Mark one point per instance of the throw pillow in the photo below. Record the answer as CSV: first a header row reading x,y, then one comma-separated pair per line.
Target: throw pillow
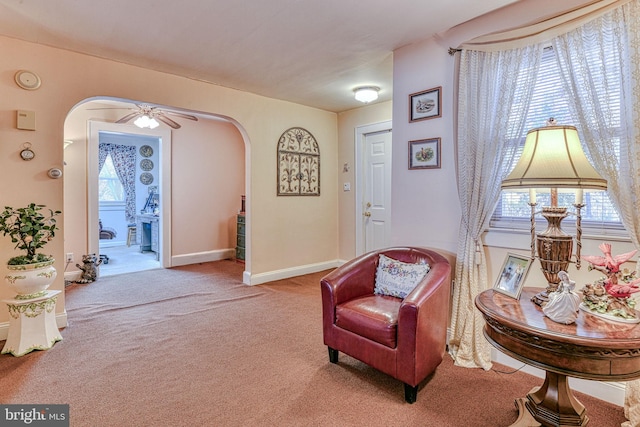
x,y
396,278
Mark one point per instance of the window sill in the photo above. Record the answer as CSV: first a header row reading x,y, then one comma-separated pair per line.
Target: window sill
x,y
112,206
520,239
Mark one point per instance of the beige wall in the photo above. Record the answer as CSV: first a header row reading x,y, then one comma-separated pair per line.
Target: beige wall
x,y
207,186
284,232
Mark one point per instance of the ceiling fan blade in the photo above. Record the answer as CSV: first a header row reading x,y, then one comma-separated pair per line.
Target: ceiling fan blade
x,y
110,108
128,117
182,115
166,120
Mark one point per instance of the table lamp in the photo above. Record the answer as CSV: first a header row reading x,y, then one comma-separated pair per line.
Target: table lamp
x,y
552,157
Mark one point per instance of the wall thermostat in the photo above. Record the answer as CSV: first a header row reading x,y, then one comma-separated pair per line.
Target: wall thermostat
x,y
54,173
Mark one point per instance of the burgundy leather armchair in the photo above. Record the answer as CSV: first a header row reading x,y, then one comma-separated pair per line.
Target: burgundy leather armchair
x,y
404,338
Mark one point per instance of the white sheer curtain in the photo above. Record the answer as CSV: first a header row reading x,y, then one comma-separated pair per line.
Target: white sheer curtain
x,y
600,63
493,89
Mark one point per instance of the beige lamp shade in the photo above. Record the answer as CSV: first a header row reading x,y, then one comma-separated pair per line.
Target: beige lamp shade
x,y
553,157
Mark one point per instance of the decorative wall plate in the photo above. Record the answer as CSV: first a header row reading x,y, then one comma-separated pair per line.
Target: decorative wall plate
x,y
146,151
146,178
146,164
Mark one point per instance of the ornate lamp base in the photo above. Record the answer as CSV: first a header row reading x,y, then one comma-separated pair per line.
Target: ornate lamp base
x,y
554,251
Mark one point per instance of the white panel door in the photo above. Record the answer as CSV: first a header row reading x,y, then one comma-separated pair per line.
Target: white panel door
x,y
377,190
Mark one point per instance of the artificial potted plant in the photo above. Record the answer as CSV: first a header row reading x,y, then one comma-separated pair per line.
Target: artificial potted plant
x,y
32,273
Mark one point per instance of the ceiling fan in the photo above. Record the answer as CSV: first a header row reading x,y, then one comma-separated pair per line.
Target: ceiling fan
x,y
147,116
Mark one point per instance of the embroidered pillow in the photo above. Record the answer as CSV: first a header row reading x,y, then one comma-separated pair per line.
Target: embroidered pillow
x,y
396,278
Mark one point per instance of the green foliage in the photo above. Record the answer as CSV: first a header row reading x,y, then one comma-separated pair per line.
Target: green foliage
x,y
29,229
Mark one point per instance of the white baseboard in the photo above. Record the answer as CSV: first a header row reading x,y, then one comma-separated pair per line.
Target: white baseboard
x,y
72,276
111,243
61,322
612,392
270,276
198,257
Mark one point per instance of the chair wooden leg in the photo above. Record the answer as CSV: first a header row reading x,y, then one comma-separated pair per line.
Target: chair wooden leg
x,y
333,355
410,393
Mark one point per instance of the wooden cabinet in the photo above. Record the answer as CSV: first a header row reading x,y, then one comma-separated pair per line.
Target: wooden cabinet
x,y
240,239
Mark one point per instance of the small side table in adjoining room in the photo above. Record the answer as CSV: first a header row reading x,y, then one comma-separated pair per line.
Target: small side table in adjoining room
x,y
32,324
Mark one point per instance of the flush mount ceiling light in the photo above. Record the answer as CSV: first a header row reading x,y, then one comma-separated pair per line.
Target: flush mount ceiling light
x,y
366,94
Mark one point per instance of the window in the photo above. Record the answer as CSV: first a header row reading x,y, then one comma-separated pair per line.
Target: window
x,y
549,100
109,186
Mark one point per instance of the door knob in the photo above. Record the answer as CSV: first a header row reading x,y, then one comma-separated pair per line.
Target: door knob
x,y
367,214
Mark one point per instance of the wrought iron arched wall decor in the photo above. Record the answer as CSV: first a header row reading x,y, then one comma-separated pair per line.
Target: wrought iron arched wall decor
x,y
298,164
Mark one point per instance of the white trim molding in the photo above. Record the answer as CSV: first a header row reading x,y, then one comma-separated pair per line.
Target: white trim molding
x,y
198,257
270,276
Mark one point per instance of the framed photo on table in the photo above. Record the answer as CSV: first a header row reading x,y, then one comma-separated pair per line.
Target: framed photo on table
x,y
424,154
425,105
512,275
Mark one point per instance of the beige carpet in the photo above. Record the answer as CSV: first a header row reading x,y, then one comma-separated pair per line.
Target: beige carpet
x,y
193,346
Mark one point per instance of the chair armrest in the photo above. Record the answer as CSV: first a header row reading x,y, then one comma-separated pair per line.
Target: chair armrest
x,y
351,280
422,323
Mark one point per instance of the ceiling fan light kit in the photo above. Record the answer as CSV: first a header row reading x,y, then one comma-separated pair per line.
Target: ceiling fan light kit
x,y
150,116
146,122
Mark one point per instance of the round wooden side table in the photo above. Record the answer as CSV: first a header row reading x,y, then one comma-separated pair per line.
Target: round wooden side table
x,y
591,348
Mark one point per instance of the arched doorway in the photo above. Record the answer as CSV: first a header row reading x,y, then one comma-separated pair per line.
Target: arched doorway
x,y
202,173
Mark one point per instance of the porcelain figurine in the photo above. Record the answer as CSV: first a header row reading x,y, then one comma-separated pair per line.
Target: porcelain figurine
x,y
610,297
563,304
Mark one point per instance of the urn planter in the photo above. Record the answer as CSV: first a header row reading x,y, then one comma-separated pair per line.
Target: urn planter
x,y
31,280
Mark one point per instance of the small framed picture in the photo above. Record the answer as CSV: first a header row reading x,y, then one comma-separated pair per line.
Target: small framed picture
x,y
512,275
424,154
425,105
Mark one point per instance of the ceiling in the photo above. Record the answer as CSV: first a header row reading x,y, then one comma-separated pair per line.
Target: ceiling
x,y
308,52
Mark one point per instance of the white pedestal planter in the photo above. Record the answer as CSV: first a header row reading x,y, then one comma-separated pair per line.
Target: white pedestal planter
x,y
32,324
31,280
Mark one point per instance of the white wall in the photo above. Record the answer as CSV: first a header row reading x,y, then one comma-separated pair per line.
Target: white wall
x,y
426,210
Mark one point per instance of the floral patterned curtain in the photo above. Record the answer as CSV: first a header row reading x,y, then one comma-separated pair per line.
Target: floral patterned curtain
x,y
124,162
103,152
